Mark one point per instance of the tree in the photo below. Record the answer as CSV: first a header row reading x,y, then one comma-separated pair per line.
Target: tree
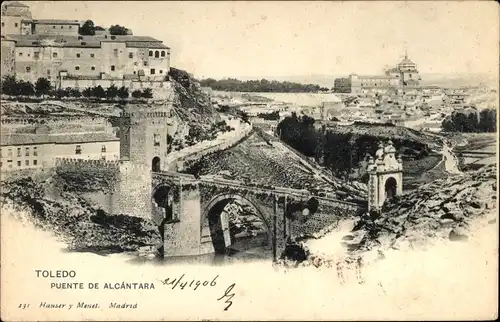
x,y
123,92
98,91
147,93
87,29
118,30
26,88
87,92
74,92
42,86
112,91
137,93
9,85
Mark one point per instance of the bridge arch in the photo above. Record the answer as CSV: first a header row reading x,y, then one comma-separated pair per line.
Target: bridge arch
x,y
217,204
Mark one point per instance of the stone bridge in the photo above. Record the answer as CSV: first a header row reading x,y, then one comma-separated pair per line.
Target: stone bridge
x,y
186,206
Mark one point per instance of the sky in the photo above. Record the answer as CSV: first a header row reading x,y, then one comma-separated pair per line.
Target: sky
x,y
260,39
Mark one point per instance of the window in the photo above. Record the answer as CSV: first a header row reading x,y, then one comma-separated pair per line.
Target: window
x,y
92,68
77,55
103,149
152,71
62,27
78,149
10,153
35,152
161,71
20,54
48,73
35,162
70,27
27,152
29,55
130,55
157,54
16,25
18,152
77,67
112,68
27,162
53,27
135,72
36,55
150,53
162,53
145,63
92,55
3,24
18,163
54,55
115,52
156,139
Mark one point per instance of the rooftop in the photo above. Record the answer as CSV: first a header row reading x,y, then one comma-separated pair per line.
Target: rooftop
x,y
85,41
8,139
55,21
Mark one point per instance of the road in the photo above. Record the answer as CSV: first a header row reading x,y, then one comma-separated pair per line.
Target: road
x,y
450,160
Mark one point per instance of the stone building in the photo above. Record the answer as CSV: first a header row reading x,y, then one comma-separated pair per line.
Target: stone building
x,y
53,49
21,151
402,77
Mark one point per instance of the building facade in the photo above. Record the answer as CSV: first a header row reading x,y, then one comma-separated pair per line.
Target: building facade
x,y
53,49
402,77
40,151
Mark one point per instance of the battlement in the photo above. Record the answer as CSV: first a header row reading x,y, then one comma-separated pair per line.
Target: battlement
x,y
82,163
145,114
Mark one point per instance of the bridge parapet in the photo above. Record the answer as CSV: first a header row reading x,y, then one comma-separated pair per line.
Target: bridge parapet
x,y
280,192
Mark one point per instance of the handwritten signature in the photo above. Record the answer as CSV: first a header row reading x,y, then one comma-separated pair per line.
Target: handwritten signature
x,y
228,296
182,283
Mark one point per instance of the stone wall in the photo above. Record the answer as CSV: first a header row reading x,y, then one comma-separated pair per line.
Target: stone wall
x,y
184,162
132,195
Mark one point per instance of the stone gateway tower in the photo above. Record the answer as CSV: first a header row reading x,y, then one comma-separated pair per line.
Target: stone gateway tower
x,y
143,150
386,176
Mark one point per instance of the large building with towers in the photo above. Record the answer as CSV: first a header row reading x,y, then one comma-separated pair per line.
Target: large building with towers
x,y
55,50
404,76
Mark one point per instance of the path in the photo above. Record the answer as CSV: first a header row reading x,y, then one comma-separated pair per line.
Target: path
x,y
450,160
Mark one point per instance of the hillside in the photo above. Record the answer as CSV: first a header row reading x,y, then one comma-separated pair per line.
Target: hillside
x,y
81,225
261,160
444,208
193,119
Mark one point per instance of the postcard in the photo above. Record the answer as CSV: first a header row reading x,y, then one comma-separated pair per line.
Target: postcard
x,y
249,160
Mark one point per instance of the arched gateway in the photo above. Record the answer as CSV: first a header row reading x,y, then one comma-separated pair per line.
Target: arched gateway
x,y
386,176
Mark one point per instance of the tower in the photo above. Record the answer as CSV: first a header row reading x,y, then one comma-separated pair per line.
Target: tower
x,y
143,135
410,77
385,176
143,151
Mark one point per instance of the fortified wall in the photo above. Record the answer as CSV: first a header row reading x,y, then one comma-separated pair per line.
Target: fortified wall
x,y
117,187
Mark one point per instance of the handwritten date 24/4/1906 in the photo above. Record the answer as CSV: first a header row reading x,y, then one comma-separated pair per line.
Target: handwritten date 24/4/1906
x,y
181,283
